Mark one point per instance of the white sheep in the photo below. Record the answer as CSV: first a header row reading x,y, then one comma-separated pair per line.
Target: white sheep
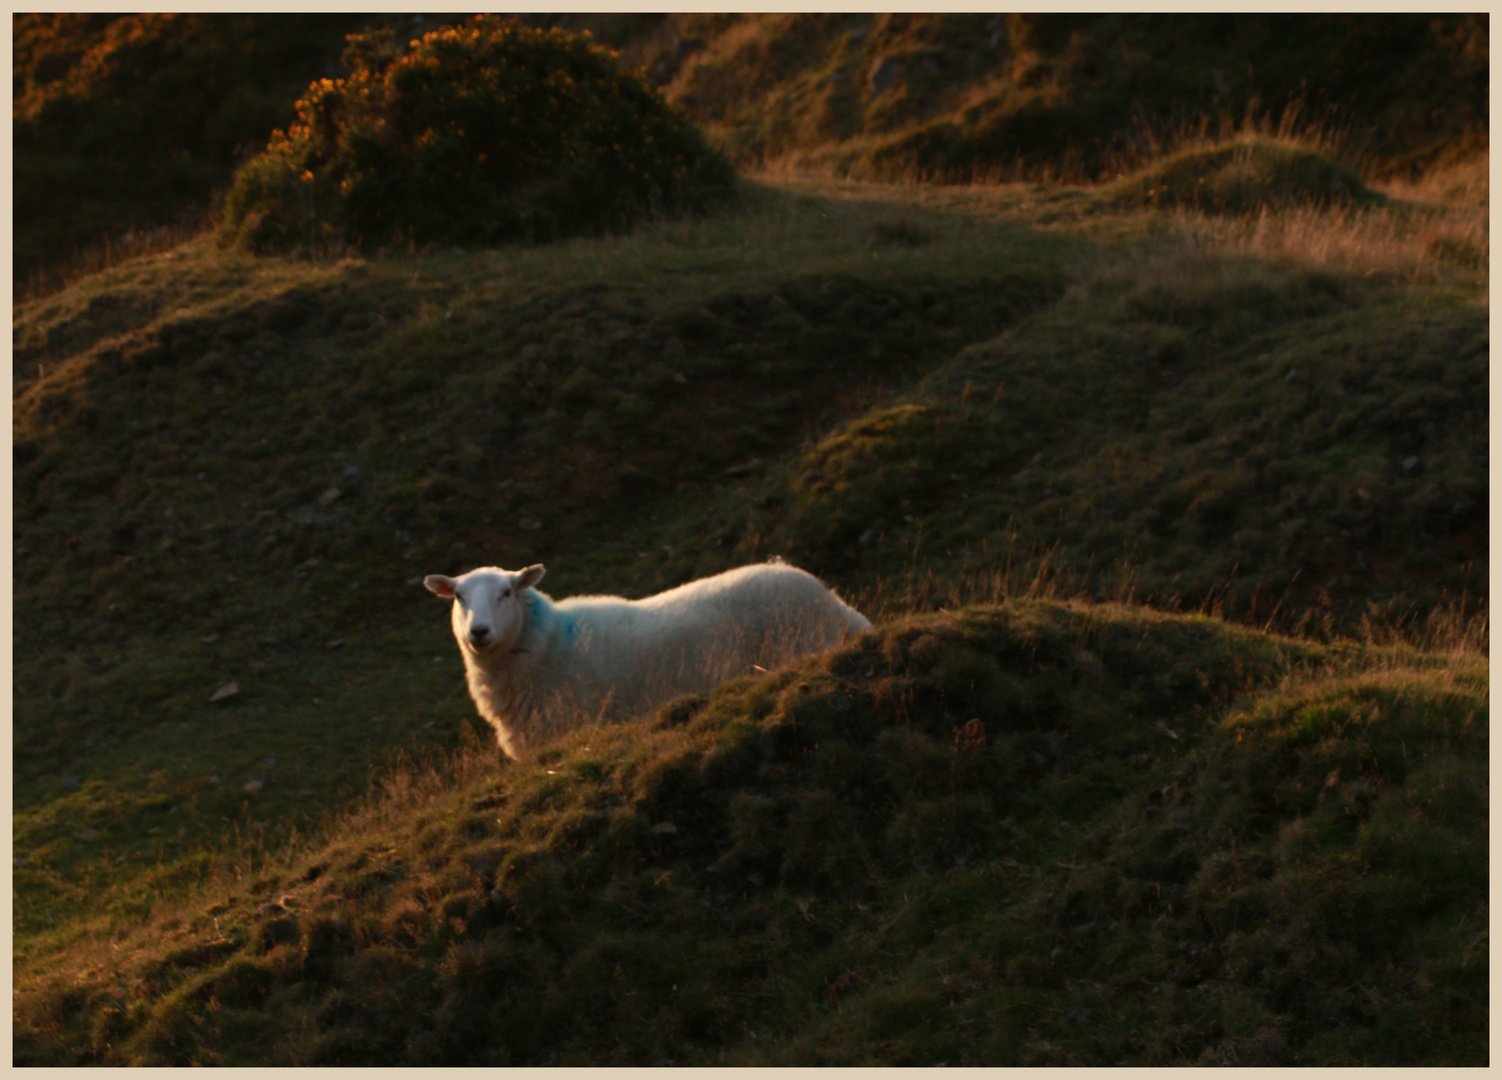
x,y
537,669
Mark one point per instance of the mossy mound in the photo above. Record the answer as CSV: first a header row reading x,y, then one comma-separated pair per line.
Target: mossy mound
x,y
1243,177
480,133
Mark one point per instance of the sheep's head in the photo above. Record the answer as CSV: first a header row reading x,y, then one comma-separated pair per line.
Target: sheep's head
x,y
488,611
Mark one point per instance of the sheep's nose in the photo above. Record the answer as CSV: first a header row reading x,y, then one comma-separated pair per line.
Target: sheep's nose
x,y
478,634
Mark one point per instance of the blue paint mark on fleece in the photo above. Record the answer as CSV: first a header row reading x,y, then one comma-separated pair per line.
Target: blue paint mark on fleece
x,y
539,613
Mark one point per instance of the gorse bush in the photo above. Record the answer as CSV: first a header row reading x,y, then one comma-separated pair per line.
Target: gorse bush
x,y
479,133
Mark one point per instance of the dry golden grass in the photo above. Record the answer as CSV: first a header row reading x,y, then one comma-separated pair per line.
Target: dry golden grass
x,y
1465,183
1403,243
1433,229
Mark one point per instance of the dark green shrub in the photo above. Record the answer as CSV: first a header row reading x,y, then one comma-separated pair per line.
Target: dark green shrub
x,y
478,133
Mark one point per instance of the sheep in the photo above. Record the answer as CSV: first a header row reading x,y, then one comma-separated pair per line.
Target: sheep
x,y
537,669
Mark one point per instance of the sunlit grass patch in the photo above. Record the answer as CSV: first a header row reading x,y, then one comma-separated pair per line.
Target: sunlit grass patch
x,y
1413,243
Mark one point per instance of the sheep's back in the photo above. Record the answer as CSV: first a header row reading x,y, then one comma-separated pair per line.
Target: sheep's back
x,y
761,614
690,638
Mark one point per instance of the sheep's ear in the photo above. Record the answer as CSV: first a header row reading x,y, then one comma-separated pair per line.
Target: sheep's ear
x,y
443,586
530,576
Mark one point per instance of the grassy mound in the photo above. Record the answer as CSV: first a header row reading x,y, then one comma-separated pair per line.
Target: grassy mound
x,y
1034,834
1216,433
475,134
1244,177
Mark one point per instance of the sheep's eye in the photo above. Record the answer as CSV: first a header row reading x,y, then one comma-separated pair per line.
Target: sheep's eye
x,y
505,594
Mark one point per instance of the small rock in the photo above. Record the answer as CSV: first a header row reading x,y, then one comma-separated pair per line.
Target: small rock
x,y
209,639
679,377
329,496
1292,374
743,468
866,537
664,827
71,783
1409,463
859,34
253,786
338,641
228,690
352,470
86,834
529,524
270,762
215,779
429,725
885,73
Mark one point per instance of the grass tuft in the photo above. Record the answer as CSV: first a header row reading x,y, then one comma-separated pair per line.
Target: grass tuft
x,y
1244,176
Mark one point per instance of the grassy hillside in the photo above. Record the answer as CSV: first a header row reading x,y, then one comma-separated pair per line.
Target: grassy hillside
x,y
126,126
1075,94
1170,841
1023,822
